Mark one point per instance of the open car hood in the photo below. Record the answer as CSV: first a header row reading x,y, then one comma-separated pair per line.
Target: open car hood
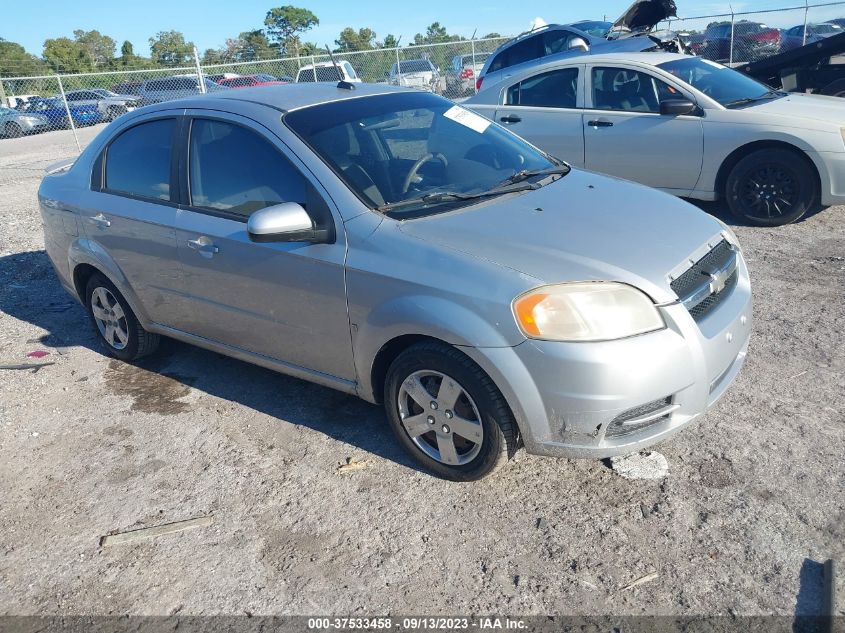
x,y
645,15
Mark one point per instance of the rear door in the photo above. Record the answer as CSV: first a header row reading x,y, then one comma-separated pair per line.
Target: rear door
x,y
286,301
131,214
626,136
546,110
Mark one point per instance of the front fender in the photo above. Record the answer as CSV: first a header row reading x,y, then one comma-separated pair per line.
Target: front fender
x,y
84,251
422,315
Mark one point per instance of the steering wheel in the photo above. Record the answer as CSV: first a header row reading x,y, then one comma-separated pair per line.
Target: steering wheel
x,y
422,161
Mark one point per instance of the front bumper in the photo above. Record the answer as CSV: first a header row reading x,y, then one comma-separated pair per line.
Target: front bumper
x,y
568,398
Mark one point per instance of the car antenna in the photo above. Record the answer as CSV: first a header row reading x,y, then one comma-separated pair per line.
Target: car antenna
x,y
345,85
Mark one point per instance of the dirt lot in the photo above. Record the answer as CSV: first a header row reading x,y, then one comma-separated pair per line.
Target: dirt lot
x,y
752,505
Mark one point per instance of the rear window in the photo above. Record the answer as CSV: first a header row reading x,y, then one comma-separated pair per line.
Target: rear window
x,y
138,161
415,66
324,73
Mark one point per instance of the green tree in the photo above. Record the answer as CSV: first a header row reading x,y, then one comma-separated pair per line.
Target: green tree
x,y
99,48
16,62
352,40
212,56
286,24
310,48
491,36
435,33
253,45
390,41
169,48
127,51
66,55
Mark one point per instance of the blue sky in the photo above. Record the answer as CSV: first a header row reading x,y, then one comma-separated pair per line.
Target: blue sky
x,y
208,24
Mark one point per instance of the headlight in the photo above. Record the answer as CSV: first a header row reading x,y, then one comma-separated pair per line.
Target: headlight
x,y
586,311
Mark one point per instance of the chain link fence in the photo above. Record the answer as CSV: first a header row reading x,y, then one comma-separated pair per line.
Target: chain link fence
x,y
32,105
66,104
742,37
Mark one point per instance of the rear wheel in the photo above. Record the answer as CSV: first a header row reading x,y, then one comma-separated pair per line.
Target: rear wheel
x,y
771,187
447,413
116,325
13,130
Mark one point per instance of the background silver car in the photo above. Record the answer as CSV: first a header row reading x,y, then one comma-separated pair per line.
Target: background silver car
x,y
111,105
14,123
393,245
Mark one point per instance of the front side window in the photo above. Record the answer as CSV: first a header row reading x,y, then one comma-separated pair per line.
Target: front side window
x,y
555,89
415,154
235,170
629,90
138,160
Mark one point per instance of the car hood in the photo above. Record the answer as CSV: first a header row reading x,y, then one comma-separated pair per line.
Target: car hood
x,y
805,106
646,14
582,227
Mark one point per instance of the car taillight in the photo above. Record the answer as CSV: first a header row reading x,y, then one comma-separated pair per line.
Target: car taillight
x,y
766,36
467,73
478,83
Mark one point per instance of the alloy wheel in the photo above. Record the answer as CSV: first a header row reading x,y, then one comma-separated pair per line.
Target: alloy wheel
x,y
110,318
769,191
440,417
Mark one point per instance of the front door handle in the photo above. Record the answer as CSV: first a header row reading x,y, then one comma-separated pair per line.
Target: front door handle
x,y
511,118
204,247
100,221
600,123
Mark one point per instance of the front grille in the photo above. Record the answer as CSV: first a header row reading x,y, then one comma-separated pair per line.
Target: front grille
x,y
709,281
618,428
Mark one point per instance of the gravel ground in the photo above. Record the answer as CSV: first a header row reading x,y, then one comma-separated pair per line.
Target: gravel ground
x,y
752,505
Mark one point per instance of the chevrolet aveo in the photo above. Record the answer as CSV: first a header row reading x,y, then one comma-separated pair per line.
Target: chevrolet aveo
x,y
390,244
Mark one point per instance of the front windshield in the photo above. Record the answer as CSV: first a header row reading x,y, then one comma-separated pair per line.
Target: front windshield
x,y
393,150
721,84
41,105
105,93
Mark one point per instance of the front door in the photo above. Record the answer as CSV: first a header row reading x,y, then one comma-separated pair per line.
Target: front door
x,y
626,136
286,301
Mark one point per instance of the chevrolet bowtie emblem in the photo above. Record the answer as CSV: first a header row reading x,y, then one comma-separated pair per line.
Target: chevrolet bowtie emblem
x,y
718,281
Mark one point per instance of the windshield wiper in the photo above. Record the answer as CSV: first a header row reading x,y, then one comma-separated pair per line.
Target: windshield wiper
x,y
452,196
771,94
525,174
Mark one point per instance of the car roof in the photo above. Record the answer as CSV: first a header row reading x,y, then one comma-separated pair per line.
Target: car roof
x,y
286,97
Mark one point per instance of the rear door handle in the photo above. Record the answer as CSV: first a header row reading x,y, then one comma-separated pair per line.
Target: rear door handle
x,y
100,221
511,118
600,123
204,247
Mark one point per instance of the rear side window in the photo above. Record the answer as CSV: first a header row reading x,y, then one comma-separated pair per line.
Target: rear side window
x,y
523,51
235,170
555,89
138,161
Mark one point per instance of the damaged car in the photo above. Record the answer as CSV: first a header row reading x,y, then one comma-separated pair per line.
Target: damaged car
x,y
632,32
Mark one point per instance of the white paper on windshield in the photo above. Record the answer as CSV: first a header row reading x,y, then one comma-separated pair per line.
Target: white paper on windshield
x,y
468,119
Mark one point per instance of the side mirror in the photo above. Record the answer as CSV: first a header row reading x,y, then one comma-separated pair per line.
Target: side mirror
x,y
285,222
677,107
579,43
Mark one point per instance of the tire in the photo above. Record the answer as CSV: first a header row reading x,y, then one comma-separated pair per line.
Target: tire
x,y
127,340
481,429
771,187
13,130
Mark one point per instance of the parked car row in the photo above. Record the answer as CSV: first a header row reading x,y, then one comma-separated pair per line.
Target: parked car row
x,y
748,41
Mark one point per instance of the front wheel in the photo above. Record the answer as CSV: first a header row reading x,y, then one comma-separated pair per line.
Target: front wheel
x,y
771,187
447,413
13,130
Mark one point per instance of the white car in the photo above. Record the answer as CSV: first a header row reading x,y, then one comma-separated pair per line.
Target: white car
x,y
420,74
328,71
682,124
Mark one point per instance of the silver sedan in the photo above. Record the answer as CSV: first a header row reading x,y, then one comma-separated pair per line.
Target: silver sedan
x,y
389,244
